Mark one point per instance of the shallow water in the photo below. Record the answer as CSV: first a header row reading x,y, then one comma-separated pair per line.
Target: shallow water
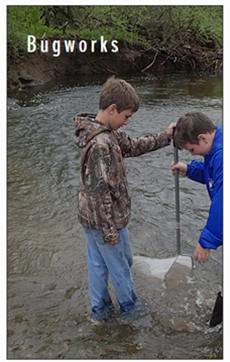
x,y
48,304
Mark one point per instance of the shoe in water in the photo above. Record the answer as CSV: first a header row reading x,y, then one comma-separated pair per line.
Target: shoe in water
x,y
136,312
101,317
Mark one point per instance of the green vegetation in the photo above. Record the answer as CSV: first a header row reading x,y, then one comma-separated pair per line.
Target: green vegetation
x,y
149,26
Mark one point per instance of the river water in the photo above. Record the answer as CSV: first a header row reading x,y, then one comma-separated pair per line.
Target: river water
x,y
48,303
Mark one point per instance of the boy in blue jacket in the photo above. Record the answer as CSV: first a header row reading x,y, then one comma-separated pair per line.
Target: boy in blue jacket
x,y
196,133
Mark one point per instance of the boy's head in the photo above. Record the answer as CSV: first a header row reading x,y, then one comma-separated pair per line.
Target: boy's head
x,y
118,92
118,102
195,132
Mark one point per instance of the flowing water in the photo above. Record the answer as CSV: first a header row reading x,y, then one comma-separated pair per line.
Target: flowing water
x,y
48,303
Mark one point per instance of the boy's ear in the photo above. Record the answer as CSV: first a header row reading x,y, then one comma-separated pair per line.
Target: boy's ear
x,y
203,137
112,108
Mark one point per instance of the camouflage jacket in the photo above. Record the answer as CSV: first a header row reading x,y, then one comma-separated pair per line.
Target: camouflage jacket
x,y
104,201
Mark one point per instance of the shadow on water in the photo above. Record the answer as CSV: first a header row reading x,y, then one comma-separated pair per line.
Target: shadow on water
x,y
48,300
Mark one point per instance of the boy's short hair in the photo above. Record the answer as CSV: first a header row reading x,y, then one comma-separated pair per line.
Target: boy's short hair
x,y
189,126
119,92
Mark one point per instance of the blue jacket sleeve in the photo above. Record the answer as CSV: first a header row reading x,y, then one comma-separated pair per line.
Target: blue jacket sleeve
x,y
195,171
212,234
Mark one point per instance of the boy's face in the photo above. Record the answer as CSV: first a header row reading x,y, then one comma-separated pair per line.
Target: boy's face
x,y
201,149
118,120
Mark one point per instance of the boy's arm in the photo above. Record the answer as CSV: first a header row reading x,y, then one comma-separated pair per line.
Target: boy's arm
x,y
99,196
137,146
212,235
195,171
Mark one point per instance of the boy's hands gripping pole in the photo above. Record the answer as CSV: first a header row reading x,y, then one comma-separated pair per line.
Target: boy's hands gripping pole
x,y
179,167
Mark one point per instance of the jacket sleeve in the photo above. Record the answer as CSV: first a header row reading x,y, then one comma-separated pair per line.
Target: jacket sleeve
x,y
195,171
131,147
99,196
212,234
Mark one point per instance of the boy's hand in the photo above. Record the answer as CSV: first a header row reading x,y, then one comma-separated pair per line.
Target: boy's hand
x,y
170,130
201,254
179,166
114,242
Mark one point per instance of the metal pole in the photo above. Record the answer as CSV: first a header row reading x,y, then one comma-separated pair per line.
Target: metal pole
x,y
177,198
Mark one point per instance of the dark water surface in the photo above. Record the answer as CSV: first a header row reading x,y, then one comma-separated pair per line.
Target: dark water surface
x,y
48,304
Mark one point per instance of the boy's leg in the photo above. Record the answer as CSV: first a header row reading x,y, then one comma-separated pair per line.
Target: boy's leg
x,y
118,259
98,276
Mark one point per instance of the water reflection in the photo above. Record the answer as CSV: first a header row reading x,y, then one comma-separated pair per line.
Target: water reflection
x,y
48,298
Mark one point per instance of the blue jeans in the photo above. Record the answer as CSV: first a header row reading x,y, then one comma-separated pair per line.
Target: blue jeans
x,y
114,260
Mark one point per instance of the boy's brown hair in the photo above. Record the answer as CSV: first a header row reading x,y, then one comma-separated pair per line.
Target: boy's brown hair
x,y
189,126
119,92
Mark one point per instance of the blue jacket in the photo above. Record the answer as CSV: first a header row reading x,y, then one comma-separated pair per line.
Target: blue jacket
x,y
210,172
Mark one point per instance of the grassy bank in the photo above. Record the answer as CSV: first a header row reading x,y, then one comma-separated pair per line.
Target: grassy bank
x,y
146,26
144,38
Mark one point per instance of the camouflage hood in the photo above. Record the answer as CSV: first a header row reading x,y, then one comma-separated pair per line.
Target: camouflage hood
x,y
87,127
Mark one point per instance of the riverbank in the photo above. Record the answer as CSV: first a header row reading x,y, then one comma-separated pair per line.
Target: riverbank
x,y
182,53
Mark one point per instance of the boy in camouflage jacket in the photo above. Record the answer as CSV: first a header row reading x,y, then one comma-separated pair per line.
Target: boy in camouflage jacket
x,y
104,201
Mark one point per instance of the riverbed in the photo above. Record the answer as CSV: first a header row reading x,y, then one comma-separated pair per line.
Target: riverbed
x,y
48,301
